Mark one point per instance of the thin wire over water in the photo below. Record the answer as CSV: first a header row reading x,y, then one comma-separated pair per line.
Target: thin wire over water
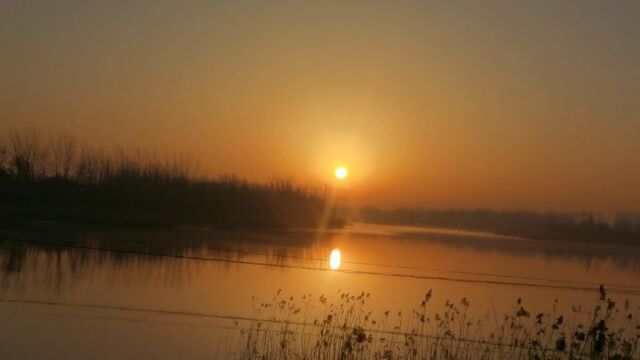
x,y
345,271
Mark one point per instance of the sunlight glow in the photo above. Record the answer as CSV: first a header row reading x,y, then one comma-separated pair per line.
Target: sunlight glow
x,y
341,173
334,259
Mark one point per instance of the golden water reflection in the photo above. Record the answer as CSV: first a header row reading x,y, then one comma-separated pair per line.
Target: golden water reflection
x,y
334,259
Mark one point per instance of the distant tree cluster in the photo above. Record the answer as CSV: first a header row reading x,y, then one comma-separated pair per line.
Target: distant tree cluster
x,y
26,155
54,178
624,230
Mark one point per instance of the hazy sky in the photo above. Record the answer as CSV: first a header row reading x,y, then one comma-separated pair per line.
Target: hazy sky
x,y
507,104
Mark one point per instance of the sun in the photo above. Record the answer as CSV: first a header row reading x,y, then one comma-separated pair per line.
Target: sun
x,y
341,173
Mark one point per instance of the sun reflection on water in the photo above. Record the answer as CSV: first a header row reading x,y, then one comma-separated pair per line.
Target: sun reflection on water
x,y
334,259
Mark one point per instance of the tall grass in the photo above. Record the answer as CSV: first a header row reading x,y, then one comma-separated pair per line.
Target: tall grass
x,y
314,328
56,179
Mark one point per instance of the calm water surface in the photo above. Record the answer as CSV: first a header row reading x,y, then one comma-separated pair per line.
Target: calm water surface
x,y
178,293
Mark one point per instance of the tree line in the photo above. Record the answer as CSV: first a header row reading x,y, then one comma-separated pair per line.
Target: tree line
x,y
55,178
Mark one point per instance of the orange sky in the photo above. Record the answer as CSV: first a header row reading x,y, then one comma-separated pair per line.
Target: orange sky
x,y
437,104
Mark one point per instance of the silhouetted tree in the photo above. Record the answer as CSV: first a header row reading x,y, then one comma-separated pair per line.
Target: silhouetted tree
x,y
4,161
63,153
26,154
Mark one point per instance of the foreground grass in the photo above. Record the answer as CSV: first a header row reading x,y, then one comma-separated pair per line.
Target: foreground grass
x,y
314,328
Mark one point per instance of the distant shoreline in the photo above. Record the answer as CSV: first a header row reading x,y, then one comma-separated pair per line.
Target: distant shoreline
x,y
553,227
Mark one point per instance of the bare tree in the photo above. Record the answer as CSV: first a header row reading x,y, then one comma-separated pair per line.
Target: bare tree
x,y
88,168
182,167
4,160
26,154
63,155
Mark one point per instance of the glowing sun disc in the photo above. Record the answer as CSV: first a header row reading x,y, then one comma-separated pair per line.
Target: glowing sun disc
x,y
341,173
